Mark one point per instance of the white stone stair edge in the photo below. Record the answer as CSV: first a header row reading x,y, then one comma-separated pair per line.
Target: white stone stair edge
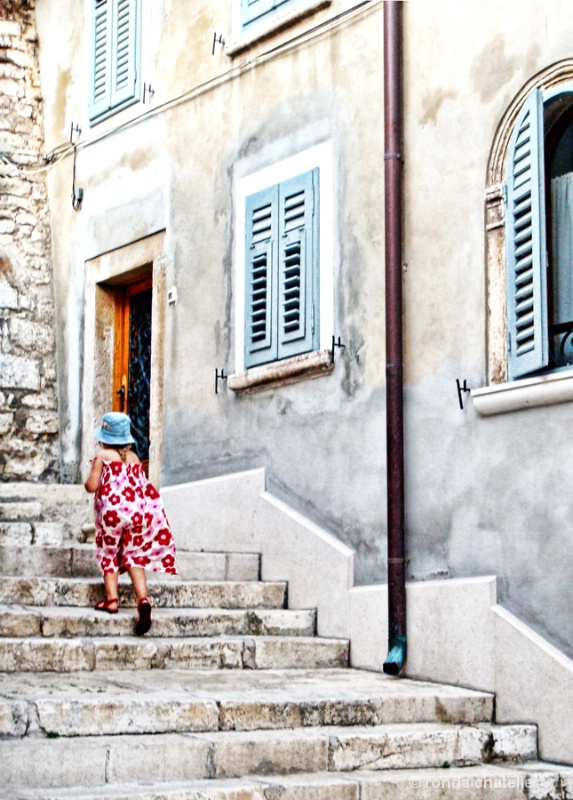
x,y
457,633
540,781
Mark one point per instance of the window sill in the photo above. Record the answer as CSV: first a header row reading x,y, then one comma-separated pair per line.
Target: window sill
x,y
281,373
275,24
544,390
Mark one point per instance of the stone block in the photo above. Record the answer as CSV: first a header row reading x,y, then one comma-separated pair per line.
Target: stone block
x,y
17,186
20,510
319,786
42,422
53,762
6,421
14,718
17,372
158,758
8,295
203,654
47,655
7,226
242,566
9,29
11,71
99,716
18,57
15,622
49,534
268,752
393,747
15,533
300,653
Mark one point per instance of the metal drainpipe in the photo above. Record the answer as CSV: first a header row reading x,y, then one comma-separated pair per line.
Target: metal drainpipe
x,y
393,166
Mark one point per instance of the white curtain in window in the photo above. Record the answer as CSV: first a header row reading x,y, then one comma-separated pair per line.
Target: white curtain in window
x,y
562,233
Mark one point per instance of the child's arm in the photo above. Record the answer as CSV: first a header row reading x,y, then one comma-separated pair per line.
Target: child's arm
x,y
92,481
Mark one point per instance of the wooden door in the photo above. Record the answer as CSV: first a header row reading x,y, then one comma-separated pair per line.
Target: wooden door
x,y
132,360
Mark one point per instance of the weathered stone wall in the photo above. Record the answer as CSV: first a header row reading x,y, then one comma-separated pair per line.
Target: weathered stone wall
x,y
29,442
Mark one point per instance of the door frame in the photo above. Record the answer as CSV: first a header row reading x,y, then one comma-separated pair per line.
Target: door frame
x,y
139,260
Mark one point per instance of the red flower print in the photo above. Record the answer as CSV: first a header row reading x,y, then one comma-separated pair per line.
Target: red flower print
x,y
115,467
151,492
139,492
105,562
171,571
129,494
137,518
148,519
141,561
147,547
168,561
126,538
104,489
99,540
109,540
115,499
111,519
163,537
137,528
137,541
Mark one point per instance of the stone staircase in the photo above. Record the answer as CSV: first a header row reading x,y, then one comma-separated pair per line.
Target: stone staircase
x,y
231,696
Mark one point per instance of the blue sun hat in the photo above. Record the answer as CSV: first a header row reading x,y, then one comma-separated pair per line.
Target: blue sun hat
x,y
115,429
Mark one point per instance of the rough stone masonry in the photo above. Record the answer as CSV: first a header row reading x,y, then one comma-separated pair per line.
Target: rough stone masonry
x,y
29,442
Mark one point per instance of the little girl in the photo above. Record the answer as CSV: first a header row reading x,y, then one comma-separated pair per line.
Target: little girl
x,y
132,531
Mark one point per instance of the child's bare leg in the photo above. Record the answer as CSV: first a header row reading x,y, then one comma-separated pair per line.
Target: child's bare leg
x,y
110,581
137,575
109,604
143,607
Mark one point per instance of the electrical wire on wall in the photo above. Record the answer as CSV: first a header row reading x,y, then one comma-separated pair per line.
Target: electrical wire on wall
x,y
62,151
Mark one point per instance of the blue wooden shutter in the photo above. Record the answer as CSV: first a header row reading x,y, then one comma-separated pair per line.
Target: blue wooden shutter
x,y
528,345
124,52
260,274
100,91
253,9
297,264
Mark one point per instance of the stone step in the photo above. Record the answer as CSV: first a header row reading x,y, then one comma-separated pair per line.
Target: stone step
x,y
50,621
85,592
80,561
91,704
482,782
95,761
105,653
19,509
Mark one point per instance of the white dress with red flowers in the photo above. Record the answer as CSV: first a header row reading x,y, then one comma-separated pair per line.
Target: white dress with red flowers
x,y
131,525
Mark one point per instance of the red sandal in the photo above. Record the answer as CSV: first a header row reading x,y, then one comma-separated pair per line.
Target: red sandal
x,y
144,621
104,605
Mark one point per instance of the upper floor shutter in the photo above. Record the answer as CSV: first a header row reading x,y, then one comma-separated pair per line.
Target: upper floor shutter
x,y
297,267
253,9
124,59
260,276
528,346
100,92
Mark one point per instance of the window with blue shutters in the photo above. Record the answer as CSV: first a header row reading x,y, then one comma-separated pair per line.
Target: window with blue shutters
x,y
115,53
539,236
281,292
253,10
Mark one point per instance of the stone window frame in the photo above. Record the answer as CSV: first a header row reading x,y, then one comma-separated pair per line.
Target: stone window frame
x,y
500,395
270,24
317,362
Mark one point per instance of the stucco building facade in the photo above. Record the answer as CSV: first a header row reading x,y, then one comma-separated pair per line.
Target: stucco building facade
x,y
178,186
